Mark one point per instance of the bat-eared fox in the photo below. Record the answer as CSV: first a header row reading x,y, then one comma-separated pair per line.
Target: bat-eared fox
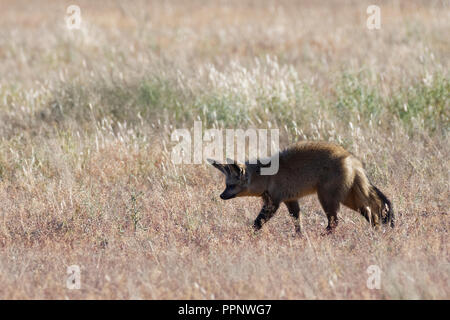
x,y
306,168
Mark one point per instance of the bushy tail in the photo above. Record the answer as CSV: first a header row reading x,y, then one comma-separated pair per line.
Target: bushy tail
x,y
366,195
387,207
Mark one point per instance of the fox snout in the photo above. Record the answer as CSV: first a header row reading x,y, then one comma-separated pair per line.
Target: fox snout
x,y
227,195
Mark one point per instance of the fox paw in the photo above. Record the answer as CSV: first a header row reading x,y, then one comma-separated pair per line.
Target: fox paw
x,y
297,235
329,230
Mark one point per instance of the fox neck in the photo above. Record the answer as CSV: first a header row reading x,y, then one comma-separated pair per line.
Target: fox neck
x,y
256,184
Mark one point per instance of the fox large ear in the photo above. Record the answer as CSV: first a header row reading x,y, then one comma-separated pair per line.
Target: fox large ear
x,y
261,165
219,166
235,167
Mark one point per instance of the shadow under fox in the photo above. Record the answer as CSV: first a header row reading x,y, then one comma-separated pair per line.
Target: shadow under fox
x,y
306,168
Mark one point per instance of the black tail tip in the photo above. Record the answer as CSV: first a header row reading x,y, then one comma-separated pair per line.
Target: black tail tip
x,y
389,219
389,216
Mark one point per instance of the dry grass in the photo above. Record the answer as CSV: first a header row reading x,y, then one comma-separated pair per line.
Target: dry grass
x,y
85,170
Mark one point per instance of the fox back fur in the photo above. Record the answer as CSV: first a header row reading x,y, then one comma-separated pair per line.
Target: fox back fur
x,y
307,168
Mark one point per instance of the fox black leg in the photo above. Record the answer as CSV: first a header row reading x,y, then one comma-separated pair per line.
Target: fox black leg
x,y
268,210
294,211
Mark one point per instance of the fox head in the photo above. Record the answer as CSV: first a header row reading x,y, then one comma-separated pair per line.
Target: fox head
x,y
236,179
